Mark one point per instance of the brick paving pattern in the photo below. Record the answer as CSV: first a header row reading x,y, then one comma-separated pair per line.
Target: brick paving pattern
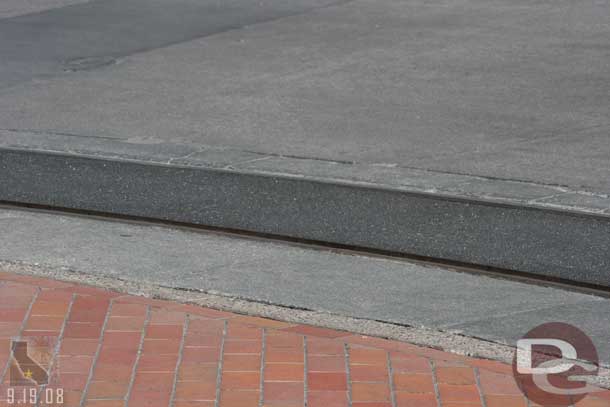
x,y
107,349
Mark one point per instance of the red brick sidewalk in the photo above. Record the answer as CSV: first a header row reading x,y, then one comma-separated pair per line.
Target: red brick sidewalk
x,y
106,349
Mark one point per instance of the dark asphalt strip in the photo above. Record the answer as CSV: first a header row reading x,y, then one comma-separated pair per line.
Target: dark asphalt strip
x,y
93,35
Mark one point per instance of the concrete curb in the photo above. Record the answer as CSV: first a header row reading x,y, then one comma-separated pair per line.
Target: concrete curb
x,y
389,176
545,242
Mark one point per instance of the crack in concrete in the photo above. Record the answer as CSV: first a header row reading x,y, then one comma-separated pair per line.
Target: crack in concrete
x,y
463,323
57,133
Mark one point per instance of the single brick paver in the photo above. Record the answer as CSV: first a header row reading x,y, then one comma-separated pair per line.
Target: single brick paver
x,y
105,349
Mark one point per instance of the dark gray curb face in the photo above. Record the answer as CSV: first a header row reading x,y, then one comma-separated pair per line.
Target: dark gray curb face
x,y
544,242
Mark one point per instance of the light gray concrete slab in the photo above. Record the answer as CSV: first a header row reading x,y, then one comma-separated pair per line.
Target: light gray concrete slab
x,y
507,328
351,285
515,90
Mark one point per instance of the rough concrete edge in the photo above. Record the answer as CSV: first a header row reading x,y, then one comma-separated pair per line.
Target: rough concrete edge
x,y
382,175
421,336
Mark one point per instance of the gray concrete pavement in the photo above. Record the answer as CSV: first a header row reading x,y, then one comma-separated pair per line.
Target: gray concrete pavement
x,y
351,285
504,89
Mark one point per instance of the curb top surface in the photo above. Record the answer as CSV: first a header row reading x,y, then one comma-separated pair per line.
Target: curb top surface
x,y
390,177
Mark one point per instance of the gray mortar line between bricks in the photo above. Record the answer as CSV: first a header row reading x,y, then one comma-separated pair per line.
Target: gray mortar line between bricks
x,y
98,351
305,367
437,392
172,397
138,356
477,380
348,374
220,364
55,355
391,379
261,396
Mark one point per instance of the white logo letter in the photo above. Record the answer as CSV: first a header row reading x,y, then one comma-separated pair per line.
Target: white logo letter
x,y
524,356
